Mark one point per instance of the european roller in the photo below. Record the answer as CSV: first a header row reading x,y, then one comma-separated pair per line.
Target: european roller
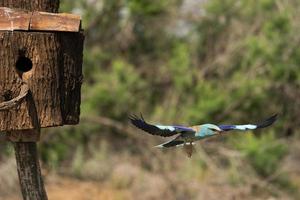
x,y
188,135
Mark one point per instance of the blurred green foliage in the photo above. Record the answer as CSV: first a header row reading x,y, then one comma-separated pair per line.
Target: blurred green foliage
x,y
219,61
264,153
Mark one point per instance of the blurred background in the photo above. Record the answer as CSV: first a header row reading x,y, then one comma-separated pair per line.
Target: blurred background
x,y
178,62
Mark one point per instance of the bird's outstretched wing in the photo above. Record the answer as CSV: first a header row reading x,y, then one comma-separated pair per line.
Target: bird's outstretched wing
x,y
161,130
244,127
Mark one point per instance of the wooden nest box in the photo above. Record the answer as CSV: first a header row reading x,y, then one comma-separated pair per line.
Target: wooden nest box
x,y
40,70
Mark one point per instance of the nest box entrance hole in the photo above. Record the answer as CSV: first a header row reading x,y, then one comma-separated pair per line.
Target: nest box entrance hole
x,y
23,64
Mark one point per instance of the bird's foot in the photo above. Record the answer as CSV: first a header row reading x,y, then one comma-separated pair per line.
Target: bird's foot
x,y
189,149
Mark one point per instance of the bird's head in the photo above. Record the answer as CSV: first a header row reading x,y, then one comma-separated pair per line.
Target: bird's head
x,y
211,129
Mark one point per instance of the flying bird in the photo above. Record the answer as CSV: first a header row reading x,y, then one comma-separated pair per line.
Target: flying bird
x,y
188,135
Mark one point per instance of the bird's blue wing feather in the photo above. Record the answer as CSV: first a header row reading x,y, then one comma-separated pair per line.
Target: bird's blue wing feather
x,y
238,127
160,130
183,128
244,127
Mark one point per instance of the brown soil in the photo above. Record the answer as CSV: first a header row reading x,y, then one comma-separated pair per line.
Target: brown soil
x,y
73,189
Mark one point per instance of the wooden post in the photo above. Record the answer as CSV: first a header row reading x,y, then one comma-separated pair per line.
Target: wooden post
x,y
31,182
29,172
40,80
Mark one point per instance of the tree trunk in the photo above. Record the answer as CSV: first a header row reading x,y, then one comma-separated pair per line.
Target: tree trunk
x,y
29,171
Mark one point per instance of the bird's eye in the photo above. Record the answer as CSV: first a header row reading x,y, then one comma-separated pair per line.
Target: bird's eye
x,y
213,129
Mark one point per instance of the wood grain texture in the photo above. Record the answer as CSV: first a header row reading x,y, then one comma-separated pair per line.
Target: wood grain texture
x,y
29,171
15,19
43,79
54,22
54,80
32,5
72,77
7,105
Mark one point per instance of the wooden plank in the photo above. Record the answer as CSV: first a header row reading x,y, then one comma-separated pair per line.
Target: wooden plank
x,y
43,49
54,79
11,19
15,19
42,21
71,76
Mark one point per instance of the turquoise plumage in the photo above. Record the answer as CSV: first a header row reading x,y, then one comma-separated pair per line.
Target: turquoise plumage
x,y
187,136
